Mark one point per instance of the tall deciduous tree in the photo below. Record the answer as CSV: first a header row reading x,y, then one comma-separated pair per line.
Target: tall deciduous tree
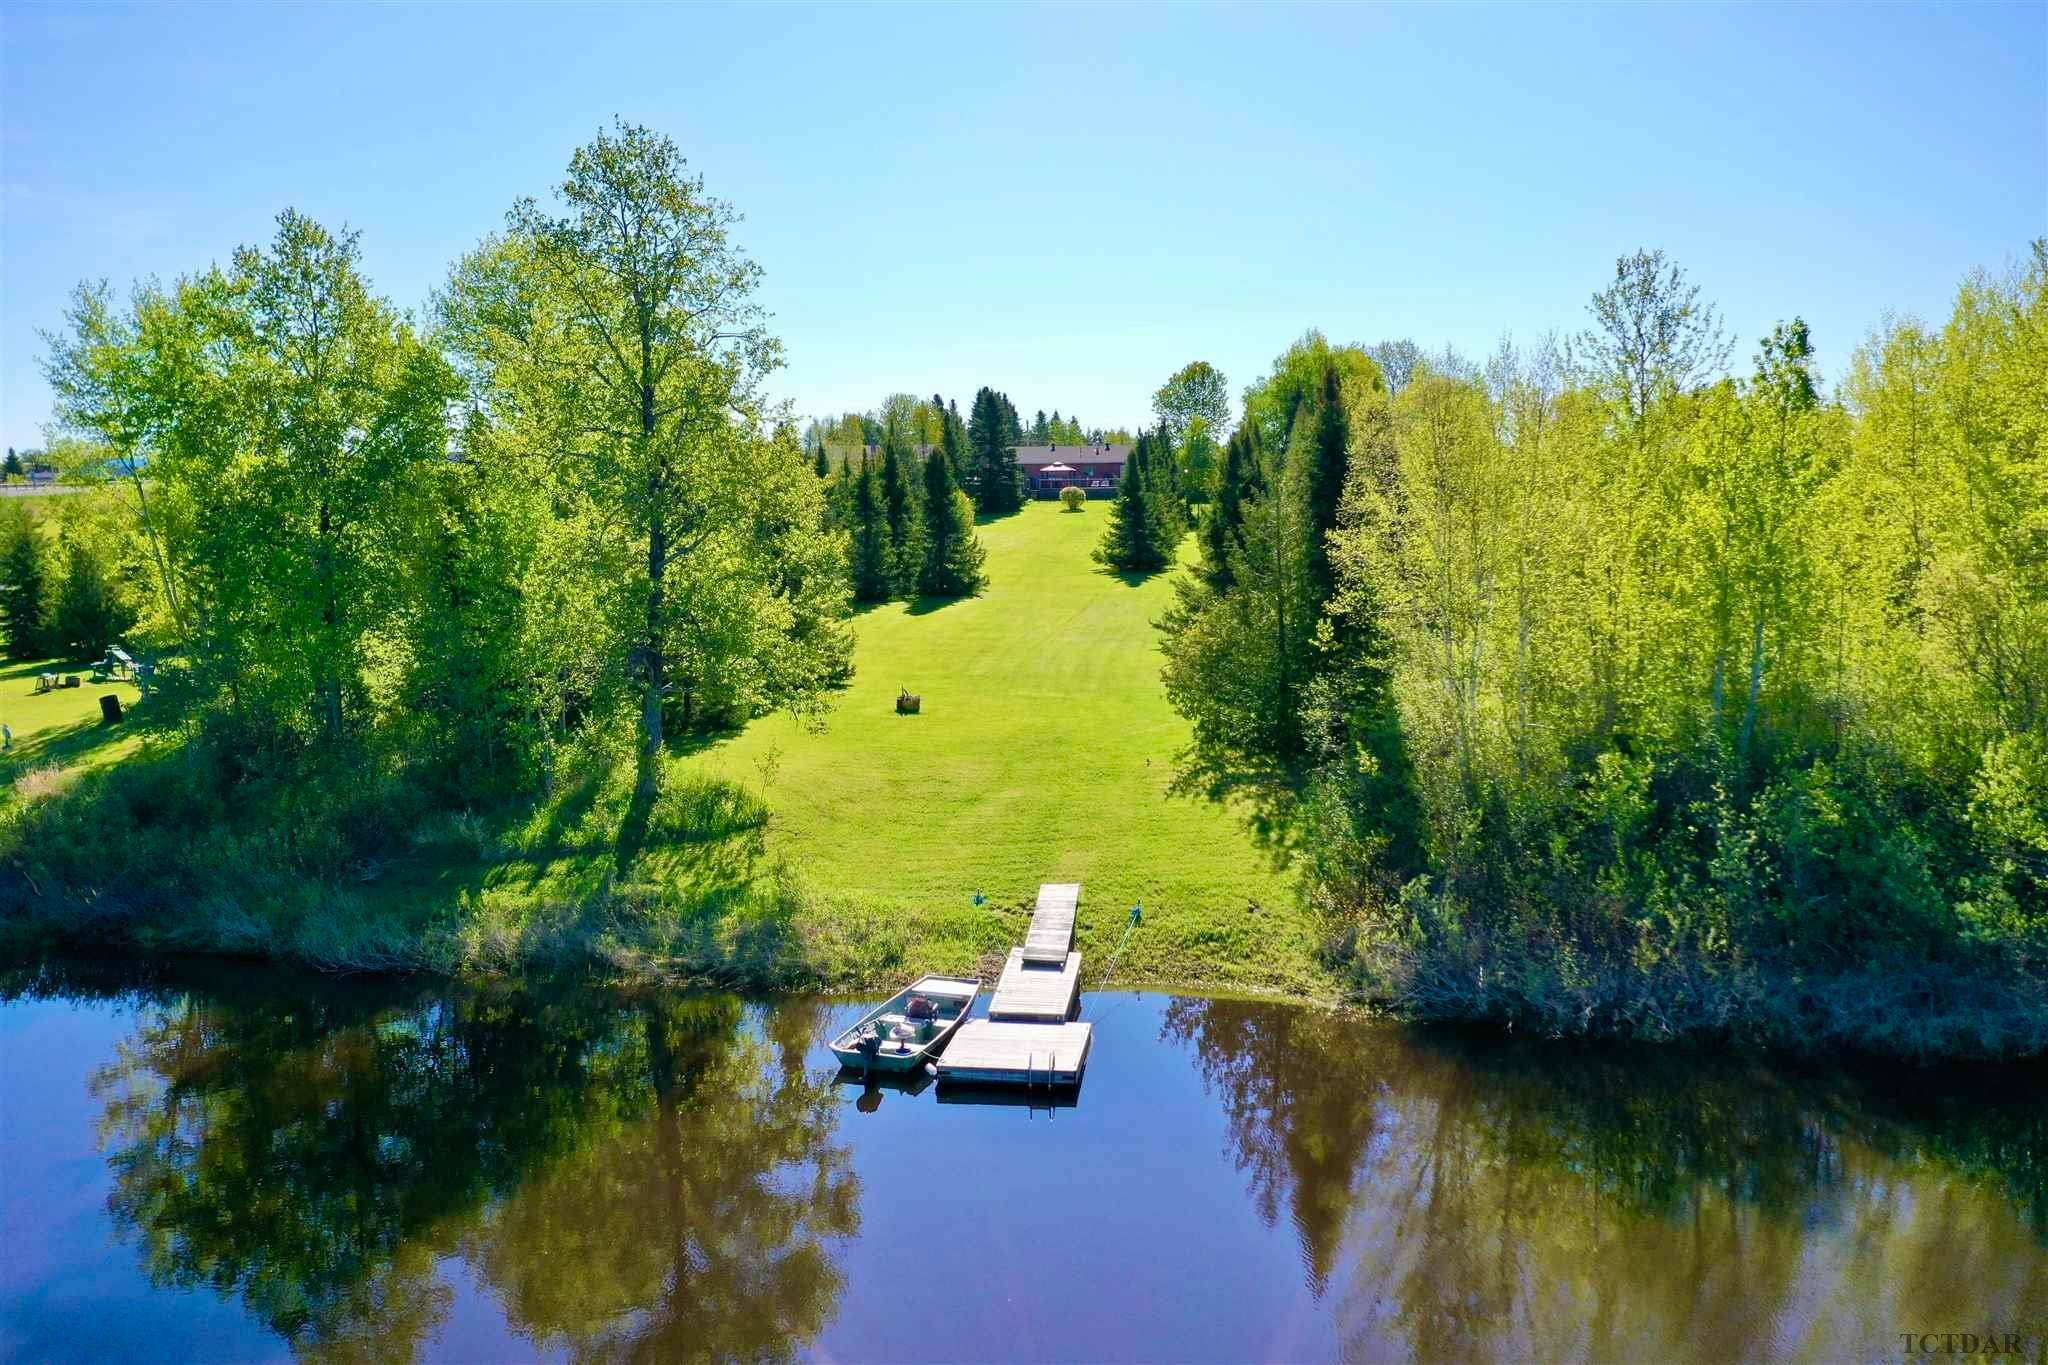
x,y
1194,408
623,318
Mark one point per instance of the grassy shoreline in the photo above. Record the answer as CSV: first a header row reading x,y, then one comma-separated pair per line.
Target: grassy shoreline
x,y
850,859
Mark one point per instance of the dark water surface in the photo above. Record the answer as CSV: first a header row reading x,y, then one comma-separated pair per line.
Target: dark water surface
x,y
243,1165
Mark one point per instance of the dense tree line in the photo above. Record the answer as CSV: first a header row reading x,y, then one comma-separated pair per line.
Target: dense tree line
x,y
910,525
564,503
69,578
1589,680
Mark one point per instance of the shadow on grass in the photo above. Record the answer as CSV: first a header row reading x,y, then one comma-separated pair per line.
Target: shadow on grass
x,y
30,668
65,745
925,606
1132,578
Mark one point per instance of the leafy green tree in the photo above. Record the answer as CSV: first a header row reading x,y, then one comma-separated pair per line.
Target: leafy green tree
x,y
505,639
1398,361
901,417
289,415
1653,343
619,330
1297,373
1193,407
271,424
953,555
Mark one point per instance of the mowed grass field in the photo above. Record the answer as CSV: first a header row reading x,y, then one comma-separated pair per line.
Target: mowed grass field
x,y
1043,753
786,857
61,727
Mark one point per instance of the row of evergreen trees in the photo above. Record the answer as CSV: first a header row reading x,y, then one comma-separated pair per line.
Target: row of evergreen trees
x,y
910,526
60,595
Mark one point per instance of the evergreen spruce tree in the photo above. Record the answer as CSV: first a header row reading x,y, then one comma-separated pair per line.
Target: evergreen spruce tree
x,y
1130,541
1169,504
953,556
870,538
839,499
822,464
903,515
997,489
953,444
1321,466
1223,528
24,592
89,616
12,468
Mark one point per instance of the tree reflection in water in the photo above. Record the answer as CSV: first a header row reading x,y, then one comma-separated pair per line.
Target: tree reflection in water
x,y
1476,1198
645,1178
663,1176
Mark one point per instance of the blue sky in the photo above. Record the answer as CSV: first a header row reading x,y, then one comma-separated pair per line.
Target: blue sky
x,y
1066,202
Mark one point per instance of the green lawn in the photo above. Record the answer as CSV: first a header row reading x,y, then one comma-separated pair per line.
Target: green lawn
x,y
786,858
63,726
1043,753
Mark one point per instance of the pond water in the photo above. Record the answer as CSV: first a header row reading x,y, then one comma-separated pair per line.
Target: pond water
x,y
239,1165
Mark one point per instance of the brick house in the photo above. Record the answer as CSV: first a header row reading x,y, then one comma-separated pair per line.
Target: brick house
x,y
1097,467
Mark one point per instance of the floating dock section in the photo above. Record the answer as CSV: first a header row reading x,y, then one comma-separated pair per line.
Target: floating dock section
x,y
985,1052
1038,995
1027,1038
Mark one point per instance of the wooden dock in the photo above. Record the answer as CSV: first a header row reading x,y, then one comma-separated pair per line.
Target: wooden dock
x,y
1051,936
986,1052
1033,994
1027,1038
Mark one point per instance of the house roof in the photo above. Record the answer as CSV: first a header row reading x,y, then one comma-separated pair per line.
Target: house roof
x,y
1038,457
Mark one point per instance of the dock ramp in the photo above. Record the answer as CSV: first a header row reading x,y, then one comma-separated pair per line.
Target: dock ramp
x,y
1051,936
